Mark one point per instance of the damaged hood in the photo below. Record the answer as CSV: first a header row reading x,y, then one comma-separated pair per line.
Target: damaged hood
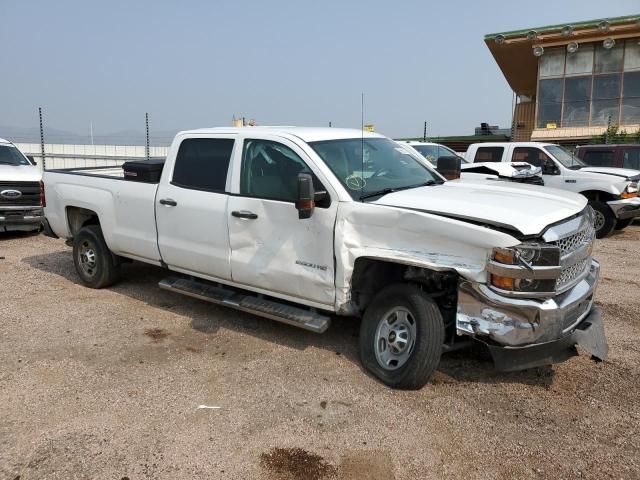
x,y
525,208
503,169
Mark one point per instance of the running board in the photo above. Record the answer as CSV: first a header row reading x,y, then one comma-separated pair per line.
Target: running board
x,y
298,317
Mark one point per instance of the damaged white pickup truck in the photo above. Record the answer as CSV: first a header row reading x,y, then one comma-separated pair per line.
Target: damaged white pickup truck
x,y
299,224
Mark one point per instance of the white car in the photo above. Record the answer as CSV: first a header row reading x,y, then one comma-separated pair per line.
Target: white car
x,y
20,204
612,192
299,224
510,171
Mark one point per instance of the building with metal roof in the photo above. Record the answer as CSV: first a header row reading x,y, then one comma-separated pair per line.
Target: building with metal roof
x,y
572,80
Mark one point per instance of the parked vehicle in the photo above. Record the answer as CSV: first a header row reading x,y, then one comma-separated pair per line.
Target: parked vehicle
x,y
612,192
619,156
299,224
20,204
510,171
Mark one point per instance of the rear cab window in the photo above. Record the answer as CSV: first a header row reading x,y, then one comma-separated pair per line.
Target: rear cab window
x,y
631,158
203,164
598,158
488,154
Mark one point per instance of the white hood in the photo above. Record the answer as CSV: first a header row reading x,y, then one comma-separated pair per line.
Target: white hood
x,y
20,173
618,172
529,209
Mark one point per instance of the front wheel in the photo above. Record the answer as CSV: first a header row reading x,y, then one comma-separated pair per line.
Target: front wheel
x,y
603,219
401,337
94,262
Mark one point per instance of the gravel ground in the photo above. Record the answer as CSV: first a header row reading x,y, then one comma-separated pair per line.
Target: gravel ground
x,y
107,384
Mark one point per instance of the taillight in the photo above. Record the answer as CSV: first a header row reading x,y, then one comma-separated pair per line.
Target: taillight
x,y
43,199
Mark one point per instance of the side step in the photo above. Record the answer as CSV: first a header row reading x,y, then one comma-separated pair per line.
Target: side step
x,y
298,317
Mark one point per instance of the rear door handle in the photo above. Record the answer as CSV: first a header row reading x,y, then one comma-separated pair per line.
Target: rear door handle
x,y
244,214
168,202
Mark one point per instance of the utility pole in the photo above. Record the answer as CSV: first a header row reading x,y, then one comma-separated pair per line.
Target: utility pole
x,y
424,134
91,131
329,124
41,139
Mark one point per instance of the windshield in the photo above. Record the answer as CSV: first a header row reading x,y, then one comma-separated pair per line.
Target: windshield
x,y
10,155
565,157
433,152
366,166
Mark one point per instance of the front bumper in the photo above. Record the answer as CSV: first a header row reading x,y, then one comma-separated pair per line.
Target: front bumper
x,y
626,208
589,335
522,333
23,219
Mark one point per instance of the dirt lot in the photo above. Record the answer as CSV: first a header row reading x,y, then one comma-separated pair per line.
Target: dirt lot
x,y
107,384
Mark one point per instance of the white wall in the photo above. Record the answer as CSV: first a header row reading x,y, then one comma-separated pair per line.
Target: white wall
x,y
71,156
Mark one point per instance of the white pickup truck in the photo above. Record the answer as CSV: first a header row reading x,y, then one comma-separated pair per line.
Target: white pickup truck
x,y
612,192
20,206
299,224
505,171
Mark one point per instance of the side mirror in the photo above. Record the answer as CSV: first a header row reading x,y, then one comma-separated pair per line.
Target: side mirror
x,y
549,168
449,167
32,160
305,203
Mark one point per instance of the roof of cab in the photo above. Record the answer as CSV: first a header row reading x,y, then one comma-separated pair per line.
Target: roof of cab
x,y
2,140
308,134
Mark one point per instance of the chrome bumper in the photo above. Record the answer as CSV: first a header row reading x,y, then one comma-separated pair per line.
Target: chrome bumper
x,y
20,219
627,208
518,322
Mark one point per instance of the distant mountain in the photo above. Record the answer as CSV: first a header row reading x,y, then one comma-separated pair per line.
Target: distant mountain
x,y
52,135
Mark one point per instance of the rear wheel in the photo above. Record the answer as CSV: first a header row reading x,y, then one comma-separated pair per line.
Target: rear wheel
x,y
401,337
603,219
623,223
96,265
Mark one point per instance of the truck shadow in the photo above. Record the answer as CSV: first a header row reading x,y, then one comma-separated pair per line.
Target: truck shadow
x,y
140,282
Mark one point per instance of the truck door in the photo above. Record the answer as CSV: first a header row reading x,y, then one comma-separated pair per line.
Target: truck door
x,y
551,173
191,208
271,248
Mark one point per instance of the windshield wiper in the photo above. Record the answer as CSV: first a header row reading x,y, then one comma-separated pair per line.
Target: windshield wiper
x,y
387,190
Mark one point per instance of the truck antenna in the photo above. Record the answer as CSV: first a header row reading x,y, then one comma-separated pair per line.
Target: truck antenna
x,y
361,144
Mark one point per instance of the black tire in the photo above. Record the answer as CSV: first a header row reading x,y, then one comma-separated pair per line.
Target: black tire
x,y
97,267
607,221
623,223
425,355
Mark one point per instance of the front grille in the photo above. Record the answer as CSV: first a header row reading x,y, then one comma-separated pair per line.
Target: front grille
x,y
30,194
572,272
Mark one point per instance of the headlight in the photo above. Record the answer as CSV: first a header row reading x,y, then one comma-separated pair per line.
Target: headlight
x,y
525,268
630,191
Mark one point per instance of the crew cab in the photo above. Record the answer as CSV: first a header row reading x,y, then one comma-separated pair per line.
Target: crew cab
x,y
302,224
521,172
20,204
619,156
612,192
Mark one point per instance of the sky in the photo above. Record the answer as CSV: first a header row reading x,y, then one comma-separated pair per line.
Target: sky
x,y
195,63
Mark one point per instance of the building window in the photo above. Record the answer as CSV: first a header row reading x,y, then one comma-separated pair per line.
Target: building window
x,y
590,87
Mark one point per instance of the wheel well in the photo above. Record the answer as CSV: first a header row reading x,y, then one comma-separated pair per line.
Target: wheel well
x,y
79,217
372,275
597,195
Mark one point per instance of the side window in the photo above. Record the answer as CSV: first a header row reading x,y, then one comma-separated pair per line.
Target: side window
x,y
598,158
202,164
270,170
532,155
489,154
631,158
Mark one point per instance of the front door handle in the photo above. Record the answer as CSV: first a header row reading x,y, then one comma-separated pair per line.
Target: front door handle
x,y
244,214
169,202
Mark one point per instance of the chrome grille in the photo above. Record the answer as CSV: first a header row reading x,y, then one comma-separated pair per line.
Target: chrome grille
x,y
573,271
